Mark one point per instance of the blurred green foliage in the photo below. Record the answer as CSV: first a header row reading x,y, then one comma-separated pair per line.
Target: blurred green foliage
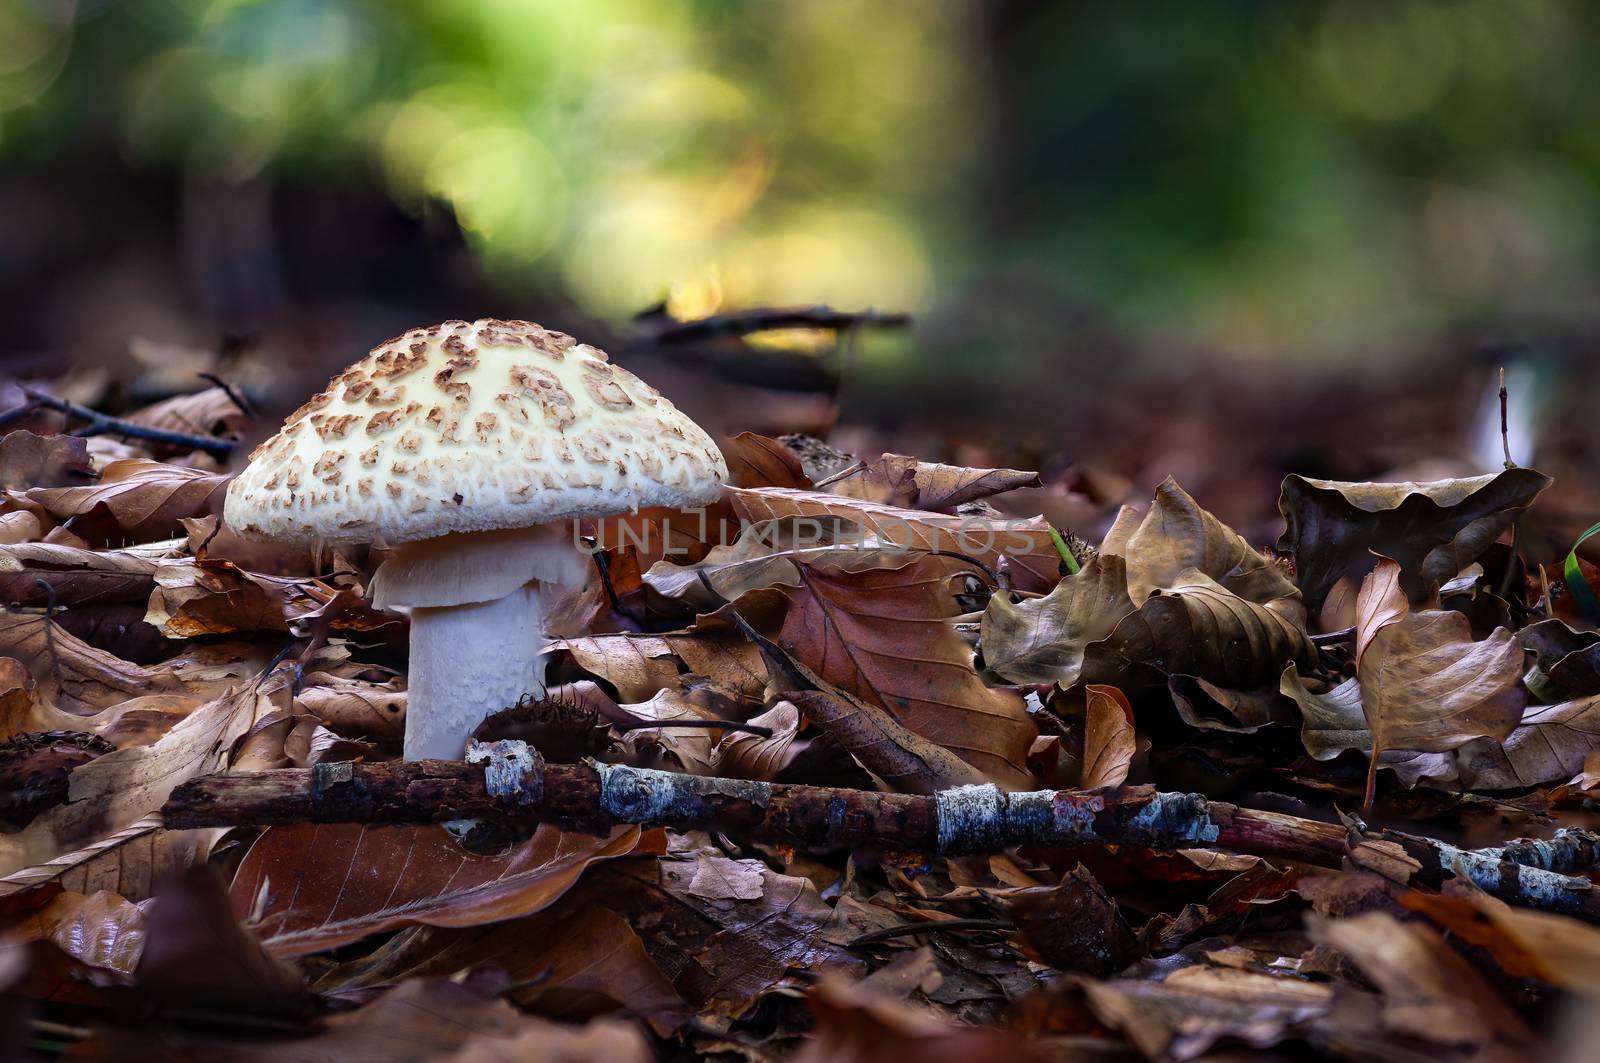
x,y
1254,174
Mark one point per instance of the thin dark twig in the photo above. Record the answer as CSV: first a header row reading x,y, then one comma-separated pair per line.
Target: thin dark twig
x,y
994,577
18,413
246,407
603,564
761,320
102,424
843,474
936,926
1329,638
1505,432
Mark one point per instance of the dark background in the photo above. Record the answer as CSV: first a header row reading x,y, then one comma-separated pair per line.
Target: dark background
x,y
1221,241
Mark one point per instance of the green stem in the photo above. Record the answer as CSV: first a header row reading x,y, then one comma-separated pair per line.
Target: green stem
x,y
1061,548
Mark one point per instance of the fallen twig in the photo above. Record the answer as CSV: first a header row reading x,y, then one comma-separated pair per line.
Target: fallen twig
x,y
761,320
593,798
104,424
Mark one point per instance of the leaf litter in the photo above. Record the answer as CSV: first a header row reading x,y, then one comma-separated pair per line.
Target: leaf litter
x,y
1391,668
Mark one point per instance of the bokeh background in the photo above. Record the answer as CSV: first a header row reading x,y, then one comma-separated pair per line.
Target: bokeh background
x,y
1221,241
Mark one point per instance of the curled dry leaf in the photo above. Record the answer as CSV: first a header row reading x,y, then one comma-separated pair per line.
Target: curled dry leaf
x,y
1074,925
72,576
100,930
1108,737
1035,564
210,412
902,480
742,755
310,887
766,555
1555,949
724,955
761,461
134,498
1197,627
1193,1008
1568,660
1176,535
29,460
1044,640
573,960
1380,603
215,597
908,660
427,1018
637,666
1433,530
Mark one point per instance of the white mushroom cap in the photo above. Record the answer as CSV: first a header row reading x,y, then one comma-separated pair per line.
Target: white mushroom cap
x,y
472,427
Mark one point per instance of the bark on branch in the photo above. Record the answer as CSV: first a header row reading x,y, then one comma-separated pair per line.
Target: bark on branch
x,y
516,785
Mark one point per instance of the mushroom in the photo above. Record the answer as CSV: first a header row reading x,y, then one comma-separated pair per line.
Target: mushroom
x,y
464,448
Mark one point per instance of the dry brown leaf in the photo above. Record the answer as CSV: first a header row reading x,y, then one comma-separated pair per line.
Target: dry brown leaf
x,y
1555,949
1426,686
210,412
1108,737
204,596
101,930
70,674
1176,535
1381,602
761,461
1199,628
1429,991
29,460
1036,566
640,665
906,761
1193,1008
884,636
73,577
310,887
424,1019
134,499
573,960
902,480
127,863
1433,530
19,527
119,788
724,955
1548,745
766,555
1044,640
1073,925
354,708
742,755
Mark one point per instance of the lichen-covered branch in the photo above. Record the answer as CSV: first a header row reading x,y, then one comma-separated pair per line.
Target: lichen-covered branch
x,y
514,784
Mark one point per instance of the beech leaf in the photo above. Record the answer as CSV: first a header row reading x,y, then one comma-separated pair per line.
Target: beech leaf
x,y
1433,530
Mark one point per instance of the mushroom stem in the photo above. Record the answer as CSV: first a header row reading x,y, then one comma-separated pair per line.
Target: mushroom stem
x,y
468,661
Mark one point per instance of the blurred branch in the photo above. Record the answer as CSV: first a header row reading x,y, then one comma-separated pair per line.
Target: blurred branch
x,y
103,424
762,319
